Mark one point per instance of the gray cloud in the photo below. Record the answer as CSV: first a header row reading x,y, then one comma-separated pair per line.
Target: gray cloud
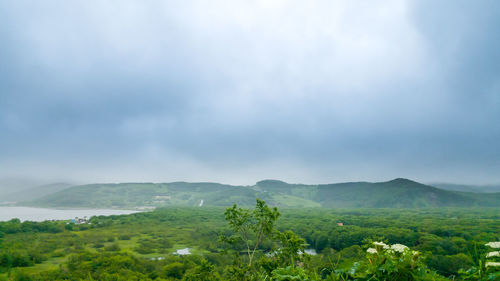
x,y
240,91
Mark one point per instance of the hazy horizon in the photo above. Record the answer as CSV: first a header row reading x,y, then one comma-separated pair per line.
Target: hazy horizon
x,y
23,183
237,92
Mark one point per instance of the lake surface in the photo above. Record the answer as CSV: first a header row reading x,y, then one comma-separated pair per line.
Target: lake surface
x,y
182,252
311,252
42,214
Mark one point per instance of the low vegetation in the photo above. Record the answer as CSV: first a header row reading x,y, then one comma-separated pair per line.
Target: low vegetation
x,y
262,243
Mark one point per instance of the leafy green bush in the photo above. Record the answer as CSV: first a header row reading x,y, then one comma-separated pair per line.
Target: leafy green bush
x,y
124,237
112,247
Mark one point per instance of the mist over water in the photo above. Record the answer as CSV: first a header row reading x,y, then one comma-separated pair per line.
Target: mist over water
x,y
42,214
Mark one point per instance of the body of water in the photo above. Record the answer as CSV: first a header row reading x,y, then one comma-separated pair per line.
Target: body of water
x,y
182,252
311,252
42,214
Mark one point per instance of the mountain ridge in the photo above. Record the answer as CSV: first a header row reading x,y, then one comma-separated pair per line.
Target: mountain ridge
x,y
396,193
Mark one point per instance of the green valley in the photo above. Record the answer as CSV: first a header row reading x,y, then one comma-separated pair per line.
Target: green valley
x,y
344,244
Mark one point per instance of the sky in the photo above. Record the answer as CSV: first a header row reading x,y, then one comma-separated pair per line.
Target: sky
x,y
239,91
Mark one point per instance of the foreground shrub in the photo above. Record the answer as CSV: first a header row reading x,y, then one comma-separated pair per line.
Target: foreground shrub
x,y
388,262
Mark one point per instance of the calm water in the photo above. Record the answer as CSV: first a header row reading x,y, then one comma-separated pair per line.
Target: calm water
x,y
41,214
311,252
182,252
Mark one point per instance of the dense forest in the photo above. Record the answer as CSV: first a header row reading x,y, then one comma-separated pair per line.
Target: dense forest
x,y
260,243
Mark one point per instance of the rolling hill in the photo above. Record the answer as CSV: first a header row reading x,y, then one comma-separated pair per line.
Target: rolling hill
x,y
397,193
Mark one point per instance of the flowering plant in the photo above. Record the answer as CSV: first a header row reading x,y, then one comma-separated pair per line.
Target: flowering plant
x,y
493,261
394,262
489,265
389,262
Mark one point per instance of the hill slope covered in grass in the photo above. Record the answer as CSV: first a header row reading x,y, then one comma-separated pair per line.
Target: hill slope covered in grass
x,y
397,193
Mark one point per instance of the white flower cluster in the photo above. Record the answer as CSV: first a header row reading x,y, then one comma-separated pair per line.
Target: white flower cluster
x,y
493,254
492,264
494,245
400,248
381,244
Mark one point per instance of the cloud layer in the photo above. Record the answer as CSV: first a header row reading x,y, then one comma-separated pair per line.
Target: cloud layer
x,y
239,91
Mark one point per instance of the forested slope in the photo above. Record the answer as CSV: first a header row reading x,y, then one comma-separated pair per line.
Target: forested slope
x,y
398,193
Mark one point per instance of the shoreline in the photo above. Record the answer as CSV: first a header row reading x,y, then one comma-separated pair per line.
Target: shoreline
x,y
39,214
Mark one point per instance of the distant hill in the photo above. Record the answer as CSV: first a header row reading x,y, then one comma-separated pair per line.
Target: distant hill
x,y
397,193
23,192
35,192
127,195
10,185
469,188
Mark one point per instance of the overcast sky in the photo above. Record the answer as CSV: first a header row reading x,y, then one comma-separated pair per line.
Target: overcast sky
x,y
238,91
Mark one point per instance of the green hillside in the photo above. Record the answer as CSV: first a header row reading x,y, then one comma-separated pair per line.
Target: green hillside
x,y
398,193
127,195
